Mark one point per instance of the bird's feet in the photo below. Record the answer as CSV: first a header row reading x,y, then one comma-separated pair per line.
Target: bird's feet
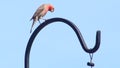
x,y
44,19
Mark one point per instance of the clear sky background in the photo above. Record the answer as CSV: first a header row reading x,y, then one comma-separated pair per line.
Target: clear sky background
x,y
57,46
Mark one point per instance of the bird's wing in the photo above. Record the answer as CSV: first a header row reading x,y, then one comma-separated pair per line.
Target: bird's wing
x,y
38,11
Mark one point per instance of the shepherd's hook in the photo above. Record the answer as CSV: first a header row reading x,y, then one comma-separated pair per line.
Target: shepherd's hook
x,y
73,26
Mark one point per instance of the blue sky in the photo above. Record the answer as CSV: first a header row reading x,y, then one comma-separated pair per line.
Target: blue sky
x,y
57,46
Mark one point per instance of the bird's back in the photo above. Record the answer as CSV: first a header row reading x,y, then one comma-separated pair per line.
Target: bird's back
x,y
38,11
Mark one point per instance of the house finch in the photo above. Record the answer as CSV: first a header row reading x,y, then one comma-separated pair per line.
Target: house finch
x,y
40,12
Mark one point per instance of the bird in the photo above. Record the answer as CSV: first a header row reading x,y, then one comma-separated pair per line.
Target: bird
x,y
40,13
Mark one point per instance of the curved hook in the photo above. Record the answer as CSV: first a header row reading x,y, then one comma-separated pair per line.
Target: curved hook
x,y
73,26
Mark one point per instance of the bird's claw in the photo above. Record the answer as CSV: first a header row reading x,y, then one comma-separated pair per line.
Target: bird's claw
x,y
45,19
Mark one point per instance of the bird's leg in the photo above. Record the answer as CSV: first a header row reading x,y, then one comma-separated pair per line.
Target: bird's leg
x,y
39,21
43,19
38,18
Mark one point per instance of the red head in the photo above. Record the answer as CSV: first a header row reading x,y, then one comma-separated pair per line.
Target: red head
x,y
51,8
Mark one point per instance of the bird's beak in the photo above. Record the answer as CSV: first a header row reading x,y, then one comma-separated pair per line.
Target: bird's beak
x,y
52,10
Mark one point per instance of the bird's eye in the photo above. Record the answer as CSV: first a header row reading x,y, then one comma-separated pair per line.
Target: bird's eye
x,y
53,9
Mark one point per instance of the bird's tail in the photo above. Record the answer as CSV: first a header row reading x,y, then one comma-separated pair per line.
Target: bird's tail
x,y
31,18
31,30
32,26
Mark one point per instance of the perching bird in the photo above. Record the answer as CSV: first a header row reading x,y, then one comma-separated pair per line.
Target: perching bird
x,y
40,12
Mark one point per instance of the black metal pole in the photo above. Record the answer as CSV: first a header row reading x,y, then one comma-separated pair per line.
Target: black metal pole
x,y
73,26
